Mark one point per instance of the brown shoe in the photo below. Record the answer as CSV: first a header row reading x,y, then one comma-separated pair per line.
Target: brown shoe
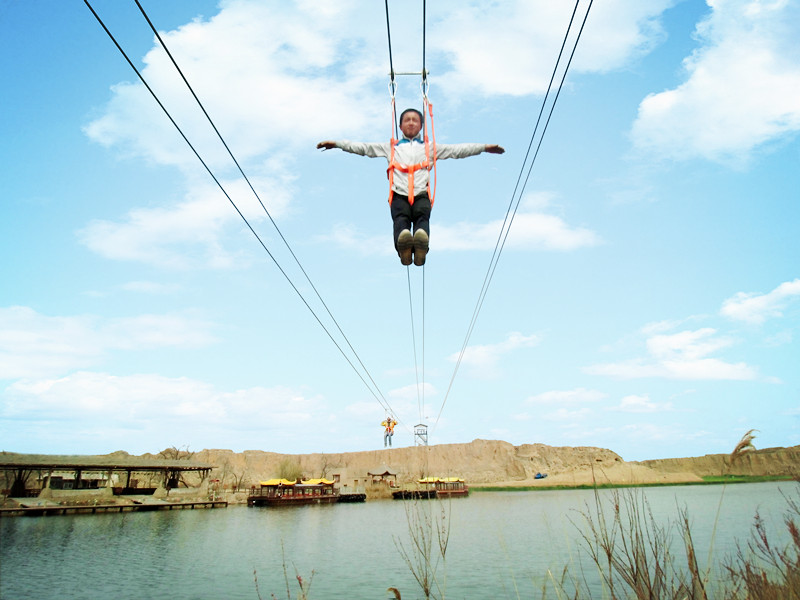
x,y
405,246
420,247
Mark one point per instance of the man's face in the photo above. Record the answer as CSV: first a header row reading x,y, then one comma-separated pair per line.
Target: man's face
x,y
410,125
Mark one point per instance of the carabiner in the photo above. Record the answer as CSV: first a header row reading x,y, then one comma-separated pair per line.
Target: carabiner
x,y
424,86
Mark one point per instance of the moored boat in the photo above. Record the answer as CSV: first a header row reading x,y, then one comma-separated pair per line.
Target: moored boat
x,y
446,487
284,492
414,494
434,487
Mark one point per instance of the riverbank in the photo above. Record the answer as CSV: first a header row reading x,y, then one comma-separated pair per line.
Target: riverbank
x,y
483,464
480,462
500,464
350,548
733,479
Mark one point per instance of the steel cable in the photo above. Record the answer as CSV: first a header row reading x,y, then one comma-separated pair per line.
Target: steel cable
x,y
255,193
510,214
383,403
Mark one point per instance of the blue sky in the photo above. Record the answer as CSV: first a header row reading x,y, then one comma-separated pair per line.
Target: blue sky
x,y
647,299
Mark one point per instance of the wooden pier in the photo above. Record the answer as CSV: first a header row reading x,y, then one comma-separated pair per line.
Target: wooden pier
x,y
54,509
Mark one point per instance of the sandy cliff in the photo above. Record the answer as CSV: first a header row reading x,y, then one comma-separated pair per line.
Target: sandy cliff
x,y
769,461
481,462
485,463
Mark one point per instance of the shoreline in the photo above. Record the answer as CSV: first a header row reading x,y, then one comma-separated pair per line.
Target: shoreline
x,y
733,479
485,465
80,503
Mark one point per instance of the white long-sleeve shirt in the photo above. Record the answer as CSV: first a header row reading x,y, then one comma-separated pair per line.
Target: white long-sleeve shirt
x,y
407,153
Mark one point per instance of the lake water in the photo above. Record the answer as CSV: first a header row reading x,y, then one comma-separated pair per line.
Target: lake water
x,y
501,545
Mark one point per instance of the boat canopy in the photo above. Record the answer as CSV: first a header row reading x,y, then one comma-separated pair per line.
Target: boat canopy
x,y
277,482
288,482
441,480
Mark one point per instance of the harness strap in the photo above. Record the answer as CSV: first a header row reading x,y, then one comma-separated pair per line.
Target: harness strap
x,y
409,170
431,195
429,163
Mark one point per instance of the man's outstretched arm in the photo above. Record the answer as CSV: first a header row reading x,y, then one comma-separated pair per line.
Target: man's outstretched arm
x,y
369,149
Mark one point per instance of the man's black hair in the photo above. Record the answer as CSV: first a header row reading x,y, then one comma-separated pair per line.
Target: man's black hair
x,y
421,116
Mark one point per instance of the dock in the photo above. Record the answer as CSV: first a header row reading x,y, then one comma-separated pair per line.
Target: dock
x,y
352,497
49,509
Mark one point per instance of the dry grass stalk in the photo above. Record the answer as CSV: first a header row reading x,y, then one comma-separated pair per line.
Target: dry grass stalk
x,y
762,571
423,559
305,585
698,585
632,553
745,445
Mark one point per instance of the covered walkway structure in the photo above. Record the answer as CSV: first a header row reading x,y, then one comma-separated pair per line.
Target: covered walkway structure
x,y
27,475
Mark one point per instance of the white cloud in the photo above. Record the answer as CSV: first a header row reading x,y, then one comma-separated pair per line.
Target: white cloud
x,y
512,49
641,431
405,403
690,345
260,74
189,233
567,414
576,396
742,87
531,230
757,308
150,287
347,236
365,410
34,345
188,410
641,404
482,360
657,327
682,355
409,392
782,338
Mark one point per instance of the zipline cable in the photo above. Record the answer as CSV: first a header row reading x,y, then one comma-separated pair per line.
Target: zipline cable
x,y
425,102
424,70
422,412
392,84
506,228
383,403
506,224
424,89
263,206
413,338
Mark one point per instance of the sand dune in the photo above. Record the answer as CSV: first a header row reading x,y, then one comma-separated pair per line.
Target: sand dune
x,y
481,462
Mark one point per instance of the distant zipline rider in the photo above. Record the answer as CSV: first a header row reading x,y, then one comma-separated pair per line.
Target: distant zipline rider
x,y
388,430
410,161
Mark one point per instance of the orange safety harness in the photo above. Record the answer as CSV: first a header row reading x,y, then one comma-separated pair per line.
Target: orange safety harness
x,y
429,163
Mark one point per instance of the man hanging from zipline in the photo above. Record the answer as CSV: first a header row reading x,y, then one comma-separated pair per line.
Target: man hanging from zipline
x,y
388,430
410,161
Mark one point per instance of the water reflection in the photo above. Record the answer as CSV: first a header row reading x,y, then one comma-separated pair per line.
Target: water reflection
x,y
500,543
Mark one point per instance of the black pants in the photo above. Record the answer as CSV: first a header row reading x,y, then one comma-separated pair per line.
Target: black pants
x,y
404,214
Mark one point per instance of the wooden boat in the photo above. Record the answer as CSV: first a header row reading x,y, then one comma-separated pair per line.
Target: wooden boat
x,y
446,487
434,487
356,497
414,494
284,492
